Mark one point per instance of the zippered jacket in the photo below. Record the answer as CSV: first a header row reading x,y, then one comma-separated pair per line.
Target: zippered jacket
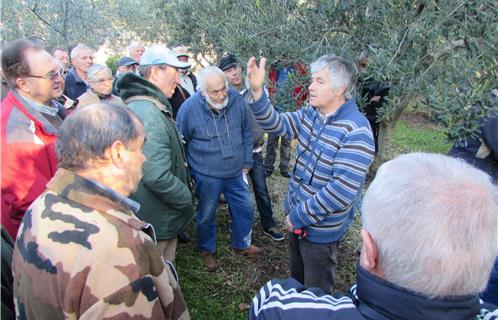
x,y
332,159
28,157
165,190
372,298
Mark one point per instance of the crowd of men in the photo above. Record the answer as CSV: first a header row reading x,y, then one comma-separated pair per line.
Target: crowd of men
x,y
102,173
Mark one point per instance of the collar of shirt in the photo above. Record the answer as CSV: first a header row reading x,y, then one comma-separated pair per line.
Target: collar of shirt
x,y
50,109
187,84
90,192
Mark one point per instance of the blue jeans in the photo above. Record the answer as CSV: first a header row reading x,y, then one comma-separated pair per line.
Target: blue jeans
x,y
239,201
258,178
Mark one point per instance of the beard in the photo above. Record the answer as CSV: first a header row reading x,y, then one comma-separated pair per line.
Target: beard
x,y
217,106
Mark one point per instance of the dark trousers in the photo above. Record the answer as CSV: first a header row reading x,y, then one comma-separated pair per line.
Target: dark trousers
x,y
258,178
271,154
313,264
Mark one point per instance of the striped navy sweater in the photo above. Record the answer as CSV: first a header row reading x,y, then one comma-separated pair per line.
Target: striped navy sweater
x,y
332,159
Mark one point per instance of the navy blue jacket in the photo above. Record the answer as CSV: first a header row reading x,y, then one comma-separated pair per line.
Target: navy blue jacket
x,y
333,155
371,298
74,86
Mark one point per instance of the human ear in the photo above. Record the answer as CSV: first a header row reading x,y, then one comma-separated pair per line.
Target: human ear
x,y
154,72
22,85
116,153
369,258
340,91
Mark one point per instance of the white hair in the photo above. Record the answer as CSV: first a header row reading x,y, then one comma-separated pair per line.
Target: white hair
x,y
76,50
340,72
134,44
206,73
434,220
95,69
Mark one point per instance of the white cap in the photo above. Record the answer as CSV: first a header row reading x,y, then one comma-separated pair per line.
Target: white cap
x,y
161,55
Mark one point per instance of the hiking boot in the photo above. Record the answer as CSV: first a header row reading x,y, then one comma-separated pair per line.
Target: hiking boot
x,y
209,261
250,251
274,233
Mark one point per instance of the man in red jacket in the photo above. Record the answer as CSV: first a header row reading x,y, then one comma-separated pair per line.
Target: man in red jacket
x,y
30,120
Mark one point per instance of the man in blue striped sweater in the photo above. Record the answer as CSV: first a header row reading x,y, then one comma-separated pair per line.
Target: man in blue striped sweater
x,y
335,149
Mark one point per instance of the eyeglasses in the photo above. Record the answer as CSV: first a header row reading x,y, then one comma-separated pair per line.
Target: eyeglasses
x,y
52,76
102,80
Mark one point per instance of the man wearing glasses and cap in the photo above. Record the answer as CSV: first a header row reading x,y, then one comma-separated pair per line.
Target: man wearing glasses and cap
x,y
125,64
164,192
30,121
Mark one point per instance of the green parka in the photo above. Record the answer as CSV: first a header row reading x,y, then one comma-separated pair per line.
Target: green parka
x,y
165,190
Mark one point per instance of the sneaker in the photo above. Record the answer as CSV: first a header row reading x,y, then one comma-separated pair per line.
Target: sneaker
x,y
274,233
209,261
250,251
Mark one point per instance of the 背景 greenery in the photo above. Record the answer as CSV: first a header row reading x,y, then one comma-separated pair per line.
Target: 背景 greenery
x,y
440,54
227,293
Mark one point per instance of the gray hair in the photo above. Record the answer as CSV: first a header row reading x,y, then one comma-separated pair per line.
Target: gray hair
x,y
340,72
434,220
95,69
76,50
133,44
146,70
206,73
89,131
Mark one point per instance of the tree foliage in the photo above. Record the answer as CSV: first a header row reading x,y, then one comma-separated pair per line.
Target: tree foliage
x,y
441,54
66,23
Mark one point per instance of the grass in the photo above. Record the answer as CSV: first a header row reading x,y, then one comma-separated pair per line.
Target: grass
x,y
227,293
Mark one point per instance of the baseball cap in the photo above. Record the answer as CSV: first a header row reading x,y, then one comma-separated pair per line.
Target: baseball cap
x,y
161,55
227,62
126,61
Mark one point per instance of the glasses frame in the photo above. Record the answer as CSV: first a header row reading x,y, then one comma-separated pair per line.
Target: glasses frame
x,y
52,76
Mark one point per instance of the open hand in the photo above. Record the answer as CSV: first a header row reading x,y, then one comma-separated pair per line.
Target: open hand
x,y
256,76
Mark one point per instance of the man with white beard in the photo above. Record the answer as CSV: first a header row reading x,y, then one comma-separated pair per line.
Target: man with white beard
x,y
215,125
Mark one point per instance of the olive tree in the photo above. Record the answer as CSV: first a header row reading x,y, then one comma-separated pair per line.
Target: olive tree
x,y
65,23
439,54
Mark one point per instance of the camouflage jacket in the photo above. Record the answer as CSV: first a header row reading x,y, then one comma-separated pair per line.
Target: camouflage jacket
x,y
81,253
